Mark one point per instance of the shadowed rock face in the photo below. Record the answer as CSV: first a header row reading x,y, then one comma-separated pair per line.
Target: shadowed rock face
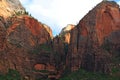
x,y
87,38
2,34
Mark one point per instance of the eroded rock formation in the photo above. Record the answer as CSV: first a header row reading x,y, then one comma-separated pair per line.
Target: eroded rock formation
x,y
10,7
28,46
27,32
65,33
24,44
98,26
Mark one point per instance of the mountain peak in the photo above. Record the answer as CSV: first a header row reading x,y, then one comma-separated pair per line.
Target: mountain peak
x,y
10,7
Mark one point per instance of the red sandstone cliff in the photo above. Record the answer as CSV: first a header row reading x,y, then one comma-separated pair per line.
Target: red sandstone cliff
x,y
2,33
27,32
65,33
28,46
22,43
10,7
88,37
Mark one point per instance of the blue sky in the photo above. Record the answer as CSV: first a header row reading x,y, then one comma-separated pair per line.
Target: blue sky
x,y
58,13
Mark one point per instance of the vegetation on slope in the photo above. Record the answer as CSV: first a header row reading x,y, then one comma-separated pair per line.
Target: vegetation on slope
x,y
84,75
11,75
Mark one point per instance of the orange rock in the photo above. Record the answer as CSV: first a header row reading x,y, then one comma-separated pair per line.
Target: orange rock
x,y
27,32
10,7
39,67
49,30
65,33
98,27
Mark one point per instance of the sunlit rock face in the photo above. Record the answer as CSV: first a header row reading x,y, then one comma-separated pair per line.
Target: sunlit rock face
x,y
65,33
25,43
10,7
100,26
28,46
27,32
24,46
48,30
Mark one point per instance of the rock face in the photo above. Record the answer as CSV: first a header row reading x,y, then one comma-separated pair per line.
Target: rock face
x,y
100,25
60,48
24,42
24,46
10,7
2,33
27,32
28,46
65,33
49,30
59,53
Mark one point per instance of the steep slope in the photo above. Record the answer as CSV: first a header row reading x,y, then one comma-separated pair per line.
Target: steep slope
x,y
24,42
23,46
2,33
60,48
10,7
27,32
100,25
28,46
49,30
65,33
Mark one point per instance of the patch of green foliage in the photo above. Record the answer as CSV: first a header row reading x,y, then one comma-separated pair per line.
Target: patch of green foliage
x,y
45,47
115,70
84,75
42,79
42,71
18,13
42,47
11,75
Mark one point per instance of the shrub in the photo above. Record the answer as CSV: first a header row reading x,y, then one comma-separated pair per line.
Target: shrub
x,y
11,75
84,75
42,47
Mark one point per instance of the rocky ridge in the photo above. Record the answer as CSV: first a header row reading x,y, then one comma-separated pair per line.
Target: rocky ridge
x,y
10,7
29,47
87,47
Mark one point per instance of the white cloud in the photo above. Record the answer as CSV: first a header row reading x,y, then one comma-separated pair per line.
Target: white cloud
x,y
119,2
58,13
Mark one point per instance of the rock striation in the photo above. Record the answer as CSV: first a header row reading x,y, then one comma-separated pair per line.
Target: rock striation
x,y
87,41
23,45
27,32
10,7
65,33
29,47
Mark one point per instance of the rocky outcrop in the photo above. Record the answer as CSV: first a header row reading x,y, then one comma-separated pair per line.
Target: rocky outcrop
x,y
28,46
59,53
2,34
100,25
65,33
60,48
49,30
10,7
24,45
27,32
